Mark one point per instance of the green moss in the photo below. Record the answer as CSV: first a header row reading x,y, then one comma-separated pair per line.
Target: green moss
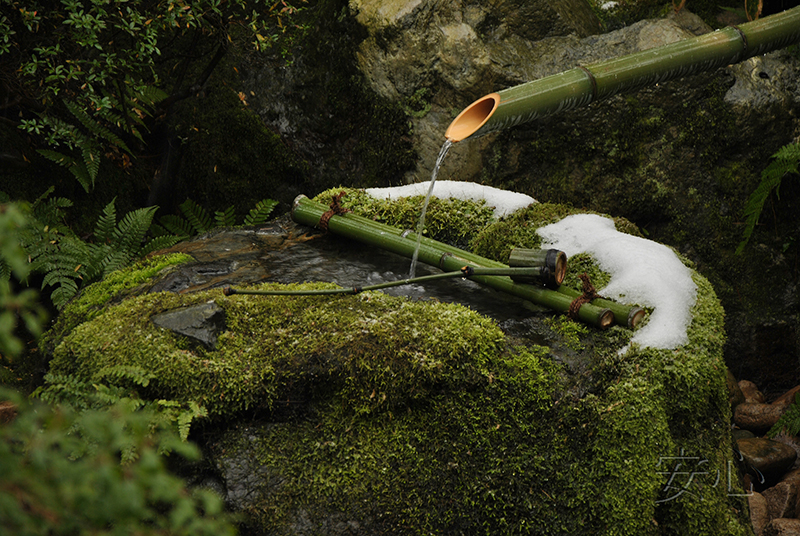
x,y
271,347
422,417
452,221
93,299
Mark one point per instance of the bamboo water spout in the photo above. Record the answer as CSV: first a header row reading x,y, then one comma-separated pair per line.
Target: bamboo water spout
x,y
447,258
585,84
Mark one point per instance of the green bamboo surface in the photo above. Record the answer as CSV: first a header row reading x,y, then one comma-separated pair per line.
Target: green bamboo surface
x,y
582,85
447,258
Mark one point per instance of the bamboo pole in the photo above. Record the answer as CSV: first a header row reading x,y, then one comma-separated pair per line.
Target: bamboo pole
x,y
624,315
582,85
447,258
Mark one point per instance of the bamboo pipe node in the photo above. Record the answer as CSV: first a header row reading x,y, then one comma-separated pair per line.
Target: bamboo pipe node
x,y
472,117
592,79
743,37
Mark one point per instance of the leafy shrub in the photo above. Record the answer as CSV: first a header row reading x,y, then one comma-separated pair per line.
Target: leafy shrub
x,y
97,472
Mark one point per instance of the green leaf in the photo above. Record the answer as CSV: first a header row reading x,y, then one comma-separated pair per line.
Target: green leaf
x,y
785,163
260,212
226,218
197,216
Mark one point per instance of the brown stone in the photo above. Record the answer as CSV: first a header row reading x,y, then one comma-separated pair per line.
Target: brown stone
x,y
782,499
735,395
751,392
757,417
794,474
782,527
759,512
786,398
766,457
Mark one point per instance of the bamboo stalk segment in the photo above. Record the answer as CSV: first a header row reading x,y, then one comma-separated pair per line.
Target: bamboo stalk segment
x,y
552,265
447,258
584,84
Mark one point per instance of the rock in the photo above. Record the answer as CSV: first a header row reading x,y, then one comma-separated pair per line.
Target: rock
x,y
766,457
794,474
788,397
751,392
734,390
782,527
759,512
757,417
738,433
200,323
354,413
782,499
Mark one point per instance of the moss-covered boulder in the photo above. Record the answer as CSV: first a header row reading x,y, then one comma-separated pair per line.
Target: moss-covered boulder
x,y
372,413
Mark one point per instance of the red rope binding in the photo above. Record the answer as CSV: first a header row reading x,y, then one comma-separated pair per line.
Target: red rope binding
x,y
589,293
336,208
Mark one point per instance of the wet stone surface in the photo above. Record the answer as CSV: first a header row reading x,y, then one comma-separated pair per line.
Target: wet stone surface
x,y
285,252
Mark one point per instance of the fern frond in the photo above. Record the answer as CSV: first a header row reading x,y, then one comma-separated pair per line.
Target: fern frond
x,y
134,374
79,170
130,232
225,218
260,212
151,95
91,160
106,223
785,162
93,126
197,216
176,225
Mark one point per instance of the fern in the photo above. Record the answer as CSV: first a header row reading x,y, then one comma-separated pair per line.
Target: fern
x,y
225,218
786,162
260,212
75,166
197,216
68,263
196,220
173,224
789,421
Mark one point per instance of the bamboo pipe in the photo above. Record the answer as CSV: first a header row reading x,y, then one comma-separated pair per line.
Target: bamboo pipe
x,y
308,212
584,84
624,315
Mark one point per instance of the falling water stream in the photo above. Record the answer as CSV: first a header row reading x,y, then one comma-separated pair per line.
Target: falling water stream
x,y
421,224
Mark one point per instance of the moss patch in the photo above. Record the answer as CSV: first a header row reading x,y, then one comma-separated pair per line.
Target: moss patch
x,y
452,221
422,417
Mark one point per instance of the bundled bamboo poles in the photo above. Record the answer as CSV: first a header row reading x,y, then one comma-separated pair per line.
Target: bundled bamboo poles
x,y
600,80
452,259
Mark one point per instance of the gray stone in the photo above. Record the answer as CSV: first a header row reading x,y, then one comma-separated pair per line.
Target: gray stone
x,y
200,323
757,417
751,392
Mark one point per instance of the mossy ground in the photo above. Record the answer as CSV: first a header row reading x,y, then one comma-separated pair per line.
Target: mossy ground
x,y
422,417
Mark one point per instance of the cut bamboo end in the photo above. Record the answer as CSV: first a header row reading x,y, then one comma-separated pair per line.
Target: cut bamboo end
x,y
606,319
551,262
472,118
635,316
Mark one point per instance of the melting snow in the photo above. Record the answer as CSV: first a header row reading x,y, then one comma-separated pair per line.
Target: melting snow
x,y
642,271
504,202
